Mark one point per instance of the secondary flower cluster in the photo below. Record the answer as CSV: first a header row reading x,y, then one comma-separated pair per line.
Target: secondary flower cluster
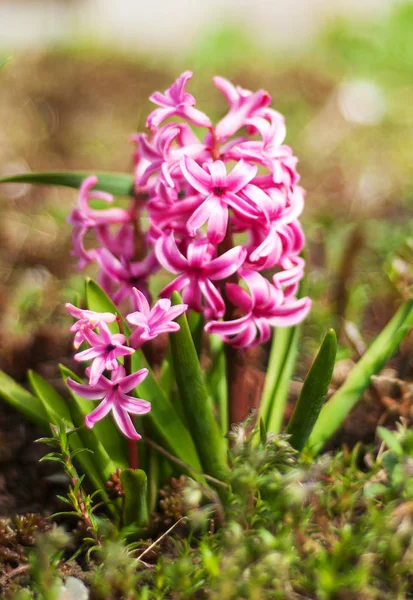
x,y
106,348
238,183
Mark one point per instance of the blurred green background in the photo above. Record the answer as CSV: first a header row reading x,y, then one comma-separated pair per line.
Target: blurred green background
x,y
71,101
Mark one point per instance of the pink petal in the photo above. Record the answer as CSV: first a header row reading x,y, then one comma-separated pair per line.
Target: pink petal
x,y
136,406
238,297
176,285
291,314
218,173
227,88
85,391
218,224
138,319
169,256
175,311
247,338
201,214
240,205
264,331
88,354
196,176
99,413
227,264
132,381
228,327
124,422
258,285
96,370
196,117
240,175
213,298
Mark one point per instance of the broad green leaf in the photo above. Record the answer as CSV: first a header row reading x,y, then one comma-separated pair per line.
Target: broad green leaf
x,y
135,508
313,393
163,418
381,350
54,404
195,400
111,447
23,401
119,184
97,300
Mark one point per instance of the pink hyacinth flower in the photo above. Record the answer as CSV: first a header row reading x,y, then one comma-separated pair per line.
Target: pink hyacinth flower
x,y
149,322
164,150
126,274
114,398
176,102
106,348
243,105
84,218
197,271
221,191
265,307
87,319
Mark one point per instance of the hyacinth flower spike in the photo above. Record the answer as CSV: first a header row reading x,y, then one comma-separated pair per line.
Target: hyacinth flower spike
x,y
113,393
149,322
106,348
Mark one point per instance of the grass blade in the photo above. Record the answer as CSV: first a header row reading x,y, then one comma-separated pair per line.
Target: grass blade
x,y
371,363
313,393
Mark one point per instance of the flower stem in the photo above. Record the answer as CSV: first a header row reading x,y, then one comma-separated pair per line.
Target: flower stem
x,y
133,456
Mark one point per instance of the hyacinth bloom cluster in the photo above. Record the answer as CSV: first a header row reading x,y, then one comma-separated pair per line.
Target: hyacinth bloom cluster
x,y
104,351
223,205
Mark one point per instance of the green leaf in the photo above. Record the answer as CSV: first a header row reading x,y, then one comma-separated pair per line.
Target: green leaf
x,y
283,356
196,326
390,440
163,418
97,300
56,408
216,381
313,393
23,401
197,406
281,364
119,184
135,508
384,346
